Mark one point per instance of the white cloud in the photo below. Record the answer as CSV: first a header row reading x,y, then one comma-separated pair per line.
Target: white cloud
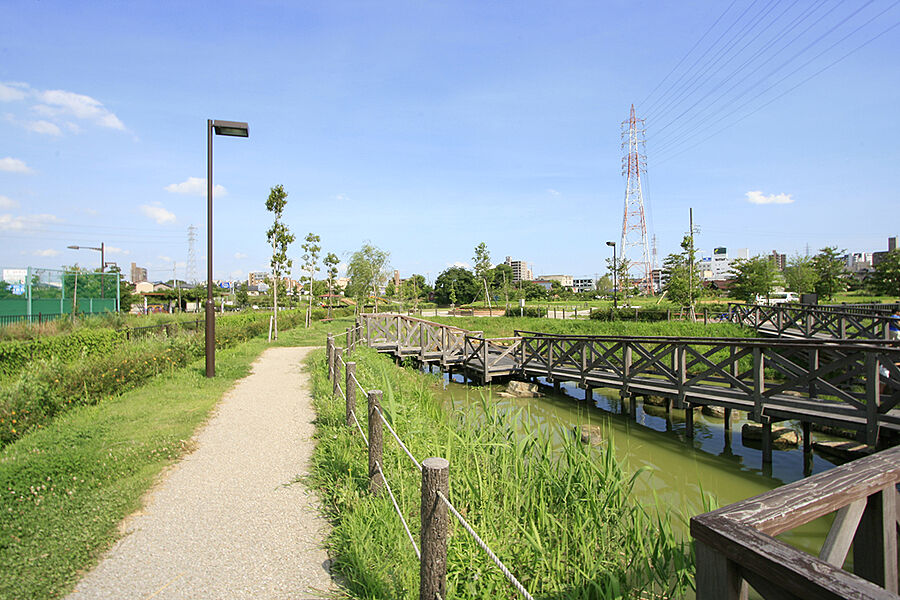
x,y
464,265
45,127
164,258
757,197
6,202
157,213
342,198
115,250
60,102
11,223
239,255
47,252
195,186
14,165
236,275
10,92
552,192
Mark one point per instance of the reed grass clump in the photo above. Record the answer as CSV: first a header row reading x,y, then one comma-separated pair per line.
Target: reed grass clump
x,y
560,516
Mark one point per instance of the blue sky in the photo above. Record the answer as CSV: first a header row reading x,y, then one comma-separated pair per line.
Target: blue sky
x,y
427,128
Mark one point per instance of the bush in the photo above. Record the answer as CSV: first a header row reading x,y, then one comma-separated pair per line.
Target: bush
x,y
630,314
14,355
533,312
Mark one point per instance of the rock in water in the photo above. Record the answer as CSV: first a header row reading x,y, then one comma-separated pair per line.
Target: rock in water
x,y
522,389
592,434
781,436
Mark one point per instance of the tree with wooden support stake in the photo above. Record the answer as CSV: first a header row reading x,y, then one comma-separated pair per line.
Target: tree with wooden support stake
x,y
280,237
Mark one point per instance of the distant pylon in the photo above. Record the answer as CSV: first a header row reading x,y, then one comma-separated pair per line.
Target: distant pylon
x,y
634,225
191,267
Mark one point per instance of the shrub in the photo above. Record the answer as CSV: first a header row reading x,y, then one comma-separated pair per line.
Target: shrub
x,y
14,355
533,312
630,314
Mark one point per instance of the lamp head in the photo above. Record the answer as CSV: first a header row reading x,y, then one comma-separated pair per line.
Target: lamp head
x,y
613,244
231,128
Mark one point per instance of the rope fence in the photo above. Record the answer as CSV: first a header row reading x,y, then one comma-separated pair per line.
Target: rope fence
x,y
432,550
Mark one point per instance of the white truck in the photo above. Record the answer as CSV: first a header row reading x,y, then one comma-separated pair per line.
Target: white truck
x,y
777,298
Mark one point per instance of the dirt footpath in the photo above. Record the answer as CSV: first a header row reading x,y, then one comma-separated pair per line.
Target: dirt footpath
x,y
231,520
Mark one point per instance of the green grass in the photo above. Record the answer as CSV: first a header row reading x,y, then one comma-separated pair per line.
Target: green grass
x,y
560,517
64,488
505,326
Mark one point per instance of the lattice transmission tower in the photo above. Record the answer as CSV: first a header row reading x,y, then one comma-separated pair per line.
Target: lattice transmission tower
x,y
634,246
191,267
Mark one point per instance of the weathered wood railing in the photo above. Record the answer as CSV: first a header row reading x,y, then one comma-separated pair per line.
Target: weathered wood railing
x,y
410,336
736,545
796,320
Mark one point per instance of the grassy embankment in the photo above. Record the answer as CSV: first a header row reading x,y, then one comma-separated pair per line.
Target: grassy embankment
x,y
67,485
562,520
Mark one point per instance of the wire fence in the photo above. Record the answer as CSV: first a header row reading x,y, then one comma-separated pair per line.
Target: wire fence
x,y
435,472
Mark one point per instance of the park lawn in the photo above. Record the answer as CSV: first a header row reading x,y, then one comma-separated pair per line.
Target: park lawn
x,y
66,487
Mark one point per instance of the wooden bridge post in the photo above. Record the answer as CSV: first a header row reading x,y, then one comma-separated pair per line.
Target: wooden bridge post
x,y
549,357
350,392
779,320
368,332
486,373
767,442
589,393
842,326
689,420
435,524
443,346
423,341
813,367
758,383
375,441
727,419
873,398
399,335
680,369
875,542
625,392
718,578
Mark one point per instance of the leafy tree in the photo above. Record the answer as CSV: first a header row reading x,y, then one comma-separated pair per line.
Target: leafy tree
x,y
458,280
482,260
311,249
241,296
683,285
533,291
800,274
886,278
367,272
620,274
280,237
501,276
331,262
415,288
752,277
829,266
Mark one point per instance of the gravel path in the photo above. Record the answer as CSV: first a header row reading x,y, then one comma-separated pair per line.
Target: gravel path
x,y
230,520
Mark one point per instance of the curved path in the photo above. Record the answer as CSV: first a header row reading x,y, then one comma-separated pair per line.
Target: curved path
x,y
231,519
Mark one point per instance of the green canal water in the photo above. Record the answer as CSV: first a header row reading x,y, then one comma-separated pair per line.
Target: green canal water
x,y
687,476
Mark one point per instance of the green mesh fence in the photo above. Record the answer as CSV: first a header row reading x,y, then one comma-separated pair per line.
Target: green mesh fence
x,y
33,294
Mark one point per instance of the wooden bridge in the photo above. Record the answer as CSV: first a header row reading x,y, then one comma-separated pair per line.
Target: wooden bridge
x,y
869,322
848,384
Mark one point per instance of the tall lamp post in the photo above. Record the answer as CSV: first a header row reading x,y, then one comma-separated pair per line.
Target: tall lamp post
x,y
233,129
615,277
102,251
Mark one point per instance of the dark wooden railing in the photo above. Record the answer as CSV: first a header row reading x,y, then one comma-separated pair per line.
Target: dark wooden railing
x,y
736,545
803,321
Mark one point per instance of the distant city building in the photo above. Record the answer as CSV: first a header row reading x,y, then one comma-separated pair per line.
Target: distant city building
x,y
257,277
877,257
520,270
780,260
564,280
143,287
858,262
585,284
544,283
138,274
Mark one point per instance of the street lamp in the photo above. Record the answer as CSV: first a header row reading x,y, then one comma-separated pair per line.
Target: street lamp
x,y
233,129
102,251
615,277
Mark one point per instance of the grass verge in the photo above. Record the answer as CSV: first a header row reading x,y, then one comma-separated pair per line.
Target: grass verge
x,y
64,488
560,517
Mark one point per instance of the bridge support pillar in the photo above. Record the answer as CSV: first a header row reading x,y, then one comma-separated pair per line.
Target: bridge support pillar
x,y
668,407
807,450
689,420
767,442
588,393
556,386
727,419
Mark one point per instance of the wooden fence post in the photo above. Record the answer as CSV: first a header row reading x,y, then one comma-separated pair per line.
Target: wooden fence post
x,y
875,542
336,382
758,383
433,566
329,351
349,340
375,479
718,578
351,392
873,398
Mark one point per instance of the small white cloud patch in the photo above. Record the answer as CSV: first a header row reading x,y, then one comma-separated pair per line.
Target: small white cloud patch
x,y
757,197
6,202
157,213
194,186
14,165
239,255
47,252
10,92
553,192
45,127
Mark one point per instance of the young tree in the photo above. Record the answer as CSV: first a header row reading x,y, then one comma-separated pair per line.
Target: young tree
x,y
886,279
753,277
460,281
620,275
830,268
242,297
482,260
331,262
367,272
683,284
280,237
800,275
311,249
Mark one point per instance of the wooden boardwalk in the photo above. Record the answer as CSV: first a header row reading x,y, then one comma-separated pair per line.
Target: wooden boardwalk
x,y
814,322
848,384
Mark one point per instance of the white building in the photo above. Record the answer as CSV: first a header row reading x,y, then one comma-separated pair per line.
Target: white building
x,y
564,280
520,270
718,266
583,285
